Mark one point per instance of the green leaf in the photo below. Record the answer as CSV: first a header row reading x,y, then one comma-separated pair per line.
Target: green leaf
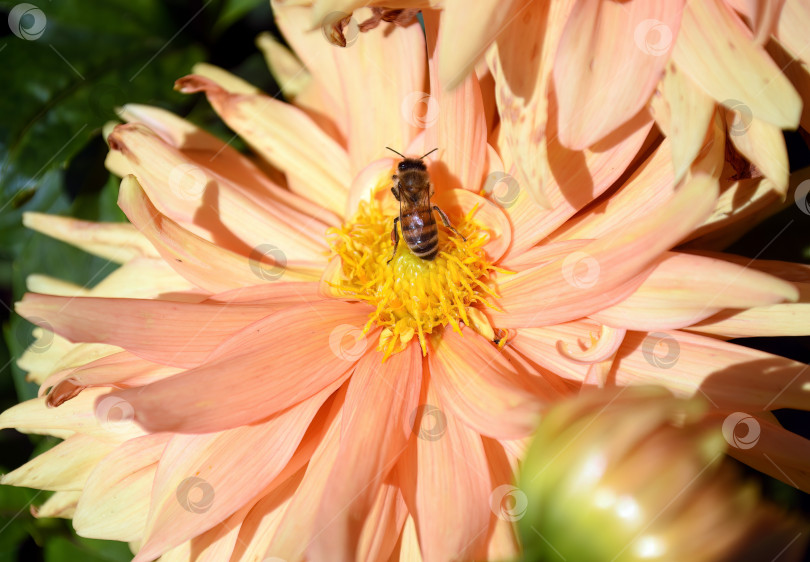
x,y
16,521
234,10
61,549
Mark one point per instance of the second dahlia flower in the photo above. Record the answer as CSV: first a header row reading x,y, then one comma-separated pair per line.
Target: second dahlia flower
x,y
256,381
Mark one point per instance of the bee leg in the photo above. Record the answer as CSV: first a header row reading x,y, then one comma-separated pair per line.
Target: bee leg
x,y
446,221
394,239
395,190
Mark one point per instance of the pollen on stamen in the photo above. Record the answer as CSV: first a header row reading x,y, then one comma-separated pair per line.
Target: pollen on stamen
x,y
413,297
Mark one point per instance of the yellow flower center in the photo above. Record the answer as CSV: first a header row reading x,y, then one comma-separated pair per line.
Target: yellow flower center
x,y
413,296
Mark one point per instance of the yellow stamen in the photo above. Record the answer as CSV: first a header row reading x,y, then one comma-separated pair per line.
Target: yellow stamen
x,y
412,297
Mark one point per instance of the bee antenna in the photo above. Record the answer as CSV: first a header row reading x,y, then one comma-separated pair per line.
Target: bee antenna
x,y
429,153
395,152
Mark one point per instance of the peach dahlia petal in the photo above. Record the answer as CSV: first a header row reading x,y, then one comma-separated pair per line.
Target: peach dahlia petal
x,y
274,387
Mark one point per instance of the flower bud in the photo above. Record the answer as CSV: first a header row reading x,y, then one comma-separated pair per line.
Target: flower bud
x,y
636,474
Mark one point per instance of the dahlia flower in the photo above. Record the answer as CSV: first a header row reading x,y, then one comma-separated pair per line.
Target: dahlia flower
x,y
644,477
256,381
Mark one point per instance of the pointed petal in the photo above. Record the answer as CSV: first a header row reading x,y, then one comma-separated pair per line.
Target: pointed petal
x,y
172,333
146,278
216,404
789,319
455,122
290,74
115,500
64,467
792,28
263,519
321,9
227,468
391,67
523,91
649,187
508,504
54,353
574,179
560,293
118,241
380,113
286,540
764,16
207,152
52,286
217,543
60,504
729,375
44,354
120,370
383,524
684,289
372,439
409,543
203,263
715,49
682,110
210,205
467,31
777,452
284,136
274,507
481,388
763,145
229,81
446,483
741,205
610,57
798,73
109,420
141,278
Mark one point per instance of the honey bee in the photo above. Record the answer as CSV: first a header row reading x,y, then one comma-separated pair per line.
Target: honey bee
x,y
413,190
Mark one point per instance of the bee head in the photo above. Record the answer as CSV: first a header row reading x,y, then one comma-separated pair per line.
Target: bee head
x,y
411,164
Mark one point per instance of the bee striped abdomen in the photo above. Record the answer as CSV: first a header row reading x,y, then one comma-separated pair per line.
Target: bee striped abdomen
x,y
421,233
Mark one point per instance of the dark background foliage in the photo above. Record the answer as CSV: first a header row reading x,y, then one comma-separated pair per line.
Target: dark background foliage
x,y
58,91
